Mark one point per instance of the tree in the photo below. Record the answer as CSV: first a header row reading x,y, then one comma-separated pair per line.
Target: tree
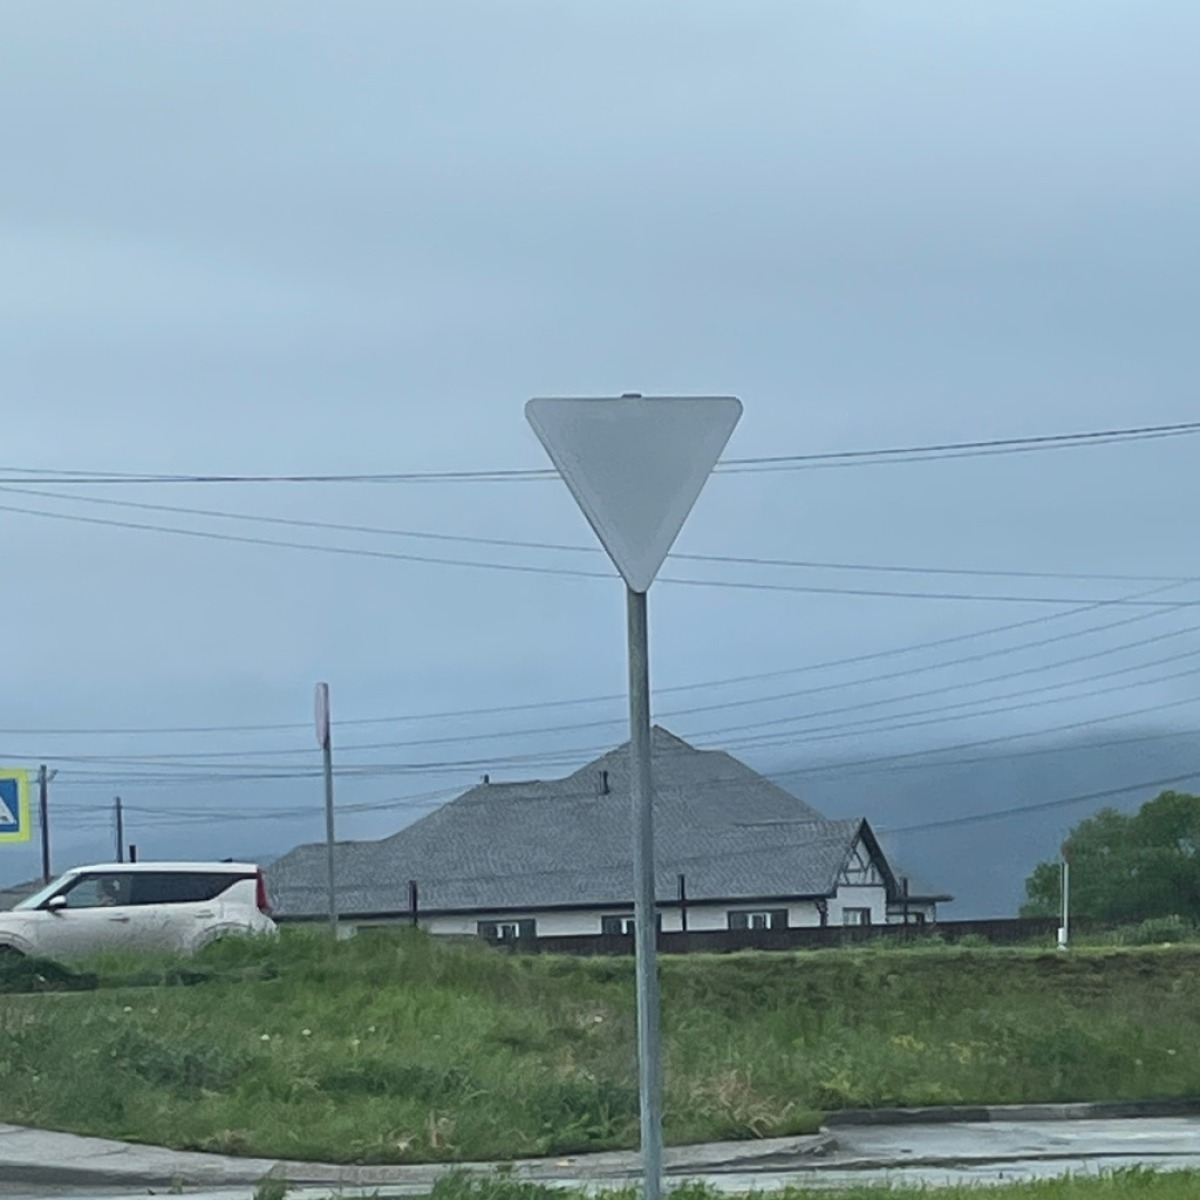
x,y
1128,866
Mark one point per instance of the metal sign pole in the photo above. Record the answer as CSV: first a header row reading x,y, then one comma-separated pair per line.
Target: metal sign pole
x,y
329,838
641,793
636,465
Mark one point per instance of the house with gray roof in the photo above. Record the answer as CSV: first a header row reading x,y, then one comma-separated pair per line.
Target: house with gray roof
x,y
554,857
11,895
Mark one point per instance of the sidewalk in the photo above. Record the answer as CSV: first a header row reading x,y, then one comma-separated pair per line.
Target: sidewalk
x,y
918,1144
44,1159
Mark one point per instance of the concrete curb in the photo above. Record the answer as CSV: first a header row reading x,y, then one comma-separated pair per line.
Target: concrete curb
x,y
983,1113
35,1157
44,1158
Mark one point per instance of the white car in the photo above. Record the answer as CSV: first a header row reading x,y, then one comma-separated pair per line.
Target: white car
x,y
138,906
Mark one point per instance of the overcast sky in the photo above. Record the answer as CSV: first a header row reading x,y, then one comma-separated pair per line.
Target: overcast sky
x,y
342,238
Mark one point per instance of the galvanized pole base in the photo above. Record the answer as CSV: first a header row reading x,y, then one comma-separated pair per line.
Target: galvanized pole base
x,y
330,843
641,793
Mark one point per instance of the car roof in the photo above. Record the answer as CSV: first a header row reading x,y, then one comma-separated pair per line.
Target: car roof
x,y
232,868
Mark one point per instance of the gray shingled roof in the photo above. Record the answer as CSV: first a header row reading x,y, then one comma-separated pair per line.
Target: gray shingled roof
x,y
566,842
12,894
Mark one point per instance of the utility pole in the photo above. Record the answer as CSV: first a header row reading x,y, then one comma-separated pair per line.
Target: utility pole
x,y
120,829
325,741
44,819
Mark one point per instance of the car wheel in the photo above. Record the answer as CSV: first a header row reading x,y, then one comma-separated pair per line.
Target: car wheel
x,y
10,954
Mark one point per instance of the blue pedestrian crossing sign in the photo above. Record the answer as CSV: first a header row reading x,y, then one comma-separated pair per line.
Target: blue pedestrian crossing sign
x,y
14,805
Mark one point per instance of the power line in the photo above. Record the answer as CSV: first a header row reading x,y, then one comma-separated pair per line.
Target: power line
x,y
885,761
516,543
828,664
834,733
526,569
952,450
1028,691
193,757
39,475
1045,805
460,766
181,818
909,760
913,759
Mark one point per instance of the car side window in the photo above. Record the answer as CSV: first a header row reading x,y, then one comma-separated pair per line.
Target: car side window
x,y
180,887
98,891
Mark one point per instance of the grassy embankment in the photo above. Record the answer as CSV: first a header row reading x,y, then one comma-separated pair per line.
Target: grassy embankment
x,y
1131,1184
393,1048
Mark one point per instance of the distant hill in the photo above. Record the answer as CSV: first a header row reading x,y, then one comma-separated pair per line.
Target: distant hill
x,y
984,864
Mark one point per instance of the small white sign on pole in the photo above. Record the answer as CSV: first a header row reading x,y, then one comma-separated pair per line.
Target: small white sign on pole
x,y
321,705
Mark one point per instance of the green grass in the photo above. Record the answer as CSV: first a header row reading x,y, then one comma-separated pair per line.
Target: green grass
x,y
391,1047
1136,1183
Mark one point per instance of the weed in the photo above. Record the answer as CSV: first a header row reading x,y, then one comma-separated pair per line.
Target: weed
x,y
270,1188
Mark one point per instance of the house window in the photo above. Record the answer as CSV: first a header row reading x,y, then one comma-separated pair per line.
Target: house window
x,y
621,926
770,918
856,916
507,931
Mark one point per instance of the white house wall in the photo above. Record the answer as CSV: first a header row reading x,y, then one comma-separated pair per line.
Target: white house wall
x,y
700,917
873,898
917,913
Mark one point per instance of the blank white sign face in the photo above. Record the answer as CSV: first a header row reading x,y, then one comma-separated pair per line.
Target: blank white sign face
x,y
635,466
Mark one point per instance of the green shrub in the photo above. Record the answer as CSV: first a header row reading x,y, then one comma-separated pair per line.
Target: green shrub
x,y
973,941
1160,930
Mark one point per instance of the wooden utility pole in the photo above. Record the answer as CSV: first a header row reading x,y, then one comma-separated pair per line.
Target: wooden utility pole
x,y
325,741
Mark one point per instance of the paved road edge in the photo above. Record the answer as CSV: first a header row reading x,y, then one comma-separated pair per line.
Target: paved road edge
x,y
982,1113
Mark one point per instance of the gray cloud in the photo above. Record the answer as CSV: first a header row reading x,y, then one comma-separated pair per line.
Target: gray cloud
x,y
300,238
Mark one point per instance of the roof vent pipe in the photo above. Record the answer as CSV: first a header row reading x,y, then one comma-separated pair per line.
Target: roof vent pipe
x,y
604,788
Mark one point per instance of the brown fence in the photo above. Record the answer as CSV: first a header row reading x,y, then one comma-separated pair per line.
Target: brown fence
x,y
1001,932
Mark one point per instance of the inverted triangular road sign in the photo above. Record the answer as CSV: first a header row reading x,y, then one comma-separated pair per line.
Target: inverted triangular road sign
x,y
635,465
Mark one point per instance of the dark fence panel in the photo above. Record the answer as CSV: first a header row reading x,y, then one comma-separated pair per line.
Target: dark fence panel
x,y
1000,931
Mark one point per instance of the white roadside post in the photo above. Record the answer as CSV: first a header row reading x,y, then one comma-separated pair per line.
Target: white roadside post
x,y
636,465
325,741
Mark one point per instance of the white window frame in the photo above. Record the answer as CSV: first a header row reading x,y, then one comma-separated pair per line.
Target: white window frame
x,y
627,928
758,918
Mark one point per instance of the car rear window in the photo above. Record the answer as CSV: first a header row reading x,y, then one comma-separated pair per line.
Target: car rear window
x,y
180,887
